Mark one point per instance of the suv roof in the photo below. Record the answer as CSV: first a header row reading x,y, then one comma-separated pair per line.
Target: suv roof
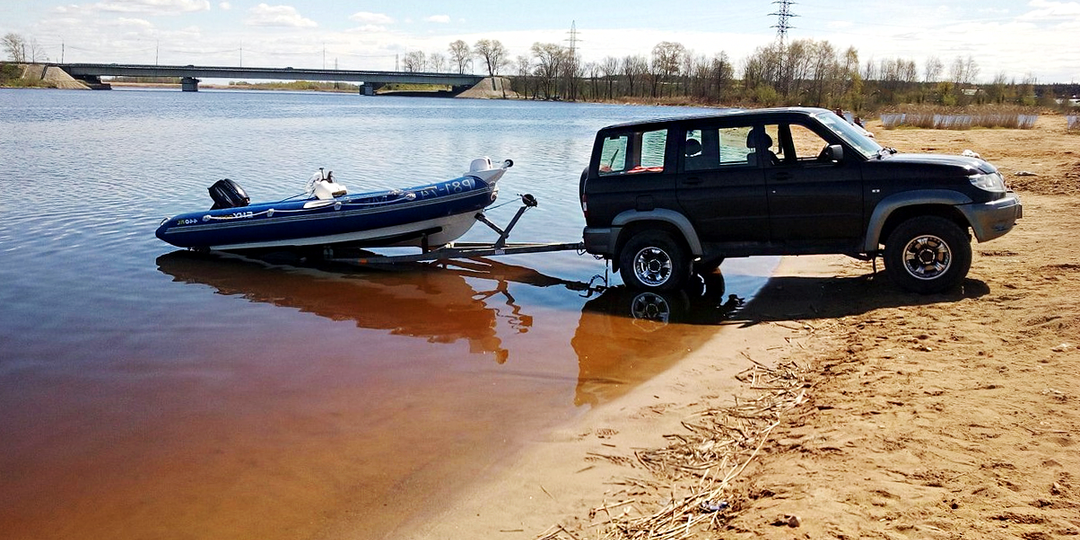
x,y
720,113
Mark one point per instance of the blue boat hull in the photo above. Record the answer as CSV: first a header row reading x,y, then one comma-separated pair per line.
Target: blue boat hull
x,y
441,211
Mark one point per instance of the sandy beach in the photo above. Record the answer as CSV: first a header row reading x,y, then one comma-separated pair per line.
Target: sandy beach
x,y
915,416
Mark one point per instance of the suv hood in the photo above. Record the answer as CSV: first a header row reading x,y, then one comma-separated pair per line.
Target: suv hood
x,y
970,164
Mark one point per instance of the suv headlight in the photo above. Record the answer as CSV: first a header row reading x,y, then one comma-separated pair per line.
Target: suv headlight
x,y
993,182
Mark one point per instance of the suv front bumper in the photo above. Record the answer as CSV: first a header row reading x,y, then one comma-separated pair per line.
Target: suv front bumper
x,y
990,220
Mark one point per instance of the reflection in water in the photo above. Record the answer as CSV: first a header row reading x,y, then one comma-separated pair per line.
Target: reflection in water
x,y
275,424
438,306
625,336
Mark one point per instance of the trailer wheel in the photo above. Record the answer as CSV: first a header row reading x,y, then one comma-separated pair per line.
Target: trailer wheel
x,y
927,254
653,260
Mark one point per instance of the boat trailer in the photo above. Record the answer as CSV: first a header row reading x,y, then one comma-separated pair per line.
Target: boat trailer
x,y
462,250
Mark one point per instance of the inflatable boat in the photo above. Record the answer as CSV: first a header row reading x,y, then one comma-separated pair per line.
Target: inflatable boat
x,y
429,215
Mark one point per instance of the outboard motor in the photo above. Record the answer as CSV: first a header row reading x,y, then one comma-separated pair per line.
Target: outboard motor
x,y
228,194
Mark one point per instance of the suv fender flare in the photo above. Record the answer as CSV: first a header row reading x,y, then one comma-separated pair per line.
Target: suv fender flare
x,y
660,214
920,197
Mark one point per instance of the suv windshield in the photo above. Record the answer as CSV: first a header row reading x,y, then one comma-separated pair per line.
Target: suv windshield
x,y
865,145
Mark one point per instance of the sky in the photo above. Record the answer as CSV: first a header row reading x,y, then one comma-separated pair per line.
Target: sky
x,y
1018,39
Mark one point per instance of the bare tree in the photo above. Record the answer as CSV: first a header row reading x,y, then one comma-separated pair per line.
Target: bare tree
x,y
595,74
493,53
437,61
460,55
550,59
722,74
415,62
666,61
609,66
633,67
524,66
15,46
932,70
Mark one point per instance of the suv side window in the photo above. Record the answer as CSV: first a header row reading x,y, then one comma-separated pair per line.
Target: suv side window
x,y
807,143
633,152
795,143
714,148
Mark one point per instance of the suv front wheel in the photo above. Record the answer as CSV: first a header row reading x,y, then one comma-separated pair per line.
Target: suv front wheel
x,y
653,260
927,254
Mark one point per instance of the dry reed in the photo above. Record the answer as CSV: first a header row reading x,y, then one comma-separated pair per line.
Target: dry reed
x,y
944,118
697,467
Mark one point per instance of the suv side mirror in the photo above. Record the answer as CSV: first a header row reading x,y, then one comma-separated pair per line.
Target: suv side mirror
x,y
834,153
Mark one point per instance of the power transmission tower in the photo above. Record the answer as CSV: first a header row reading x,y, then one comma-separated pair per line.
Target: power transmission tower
x,y
573,39
782,15
572,75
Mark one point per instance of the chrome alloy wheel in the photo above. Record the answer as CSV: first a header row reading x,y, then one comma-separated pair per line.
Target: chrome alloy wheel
x,y
652,266
927,257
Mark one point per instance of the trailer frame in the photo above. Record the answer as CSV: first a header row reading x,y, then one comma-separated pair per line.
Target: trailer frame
x,y
465,250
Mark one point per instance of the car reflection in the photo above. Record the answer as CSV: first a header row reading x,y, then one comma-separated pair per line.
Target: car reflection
x,y
626,336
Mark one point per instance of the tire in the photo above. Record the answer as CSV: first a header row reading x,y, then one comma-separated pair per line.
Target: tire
x,y
653,260
927,254
710,266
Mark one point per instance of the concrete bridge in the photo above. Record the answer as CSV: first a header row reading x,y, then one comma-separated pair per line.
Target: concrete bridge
x,y
189,75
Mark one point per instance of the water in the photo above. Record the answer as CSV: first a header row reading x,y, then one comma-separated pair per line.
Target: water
x,y
150,393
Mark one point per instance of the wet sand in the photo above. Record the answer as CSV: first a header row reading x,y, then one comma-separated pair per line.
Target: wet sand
x,y
564,474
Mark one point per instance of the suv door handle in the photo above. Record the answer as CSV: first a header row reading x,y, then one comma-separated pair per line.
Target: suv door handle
x,y
782,176
693,180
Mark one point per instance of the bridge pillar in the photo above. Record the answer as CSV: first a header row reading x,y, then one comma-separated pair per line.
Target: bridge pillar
x,y
368,89
189,84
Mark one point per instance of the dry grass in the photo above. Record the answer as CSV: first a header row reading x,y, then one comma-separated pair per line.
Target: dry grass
x,y
1011,117
697,467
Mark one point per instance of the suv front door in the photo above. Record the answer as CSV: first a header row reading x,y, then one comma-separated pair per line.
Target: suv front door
x,y
810,196
720,187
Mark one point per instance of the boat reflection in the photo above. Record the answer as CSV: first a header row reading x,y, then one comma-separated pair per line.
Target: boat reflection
x,y
439,306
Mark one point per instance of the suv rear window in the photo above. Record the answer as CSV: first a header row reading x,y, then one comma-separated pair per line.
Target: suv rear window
x,y
713,148
633,152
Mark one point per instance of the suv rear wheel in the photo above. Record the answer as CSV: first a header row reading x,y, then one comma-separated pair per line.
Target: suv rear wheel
x,y
927,254
653,260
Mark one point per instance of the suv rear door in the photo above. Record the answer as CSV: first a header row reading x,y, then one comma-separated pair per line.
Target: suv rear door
x,y
627,173
720,187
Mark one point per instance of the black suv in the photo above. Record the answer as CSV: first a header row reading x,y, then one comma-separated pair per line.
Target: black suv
x,y
665,197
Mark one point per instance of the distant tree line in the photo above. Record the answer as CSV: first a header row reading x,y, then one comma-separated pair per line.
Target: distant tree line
x,y
801,72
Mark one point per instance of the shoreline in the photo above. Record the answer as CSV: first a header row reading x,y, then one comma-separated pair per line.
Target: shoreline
x,y
569,470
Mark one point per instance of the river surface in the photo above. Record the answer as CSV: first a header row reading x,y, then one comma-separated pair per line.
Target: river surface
x,y
148,392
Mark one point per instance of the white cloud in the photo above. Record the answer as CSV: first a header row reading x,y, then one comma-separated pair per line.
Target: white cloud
x,y
225,6
286,16
368,18
151,7
441,19
1046,10
137,23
